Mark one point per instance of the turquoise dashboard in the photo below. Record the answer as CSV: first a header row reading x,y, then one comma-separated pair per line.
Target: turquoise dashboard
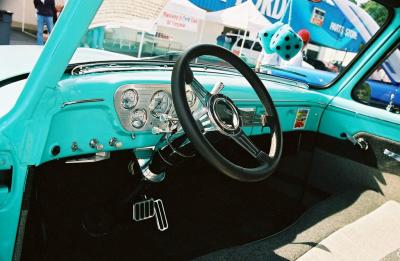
x,y
92,113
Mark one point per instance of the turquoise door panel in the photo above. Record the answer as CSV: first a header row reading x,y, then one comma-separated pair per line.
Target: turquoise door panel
x,y
339,119
10,210
4,191
345,115
5,168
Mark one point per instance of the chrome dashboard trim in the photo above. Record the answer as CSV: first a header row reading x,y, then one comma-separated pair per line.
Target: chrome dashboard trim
x,y
65,104
279,80
145,93
295,103
121,66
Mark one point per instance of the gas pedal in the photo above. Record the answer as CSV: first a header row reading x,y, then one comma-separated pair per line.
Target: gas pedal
x,y
143,210
161,216
149,208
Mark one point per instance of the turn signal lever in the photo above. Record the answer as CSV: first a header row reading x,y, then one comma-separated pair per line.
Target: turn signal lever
x,y
360,142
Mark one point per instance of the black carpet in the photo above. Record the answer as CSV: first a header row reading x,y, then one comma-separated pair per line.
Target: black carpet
x,y
206,211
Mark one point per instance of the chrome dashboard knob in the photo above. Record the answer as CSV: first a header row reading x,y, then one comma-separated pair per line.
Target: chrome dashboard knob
x,y
94,143
114,142
74,146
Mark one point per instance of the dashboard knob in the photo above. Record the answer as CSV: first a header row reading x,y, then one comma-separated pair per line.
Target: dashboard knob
x,y
94,143
114,142
118,144
74,146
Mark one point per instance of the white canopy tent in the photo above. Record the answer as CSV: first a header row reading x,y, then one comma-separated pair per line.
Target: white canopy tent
x,y
243,16
140,15
146,15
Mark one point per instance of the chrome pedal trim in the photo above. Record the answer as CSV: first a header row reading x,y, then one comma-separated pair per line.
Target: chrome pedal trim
x,y
99,156
143,210
161,216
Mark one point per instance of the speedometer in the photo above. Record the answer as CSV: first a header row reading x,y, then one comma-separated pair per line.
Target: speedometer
x,y
160,103
129,99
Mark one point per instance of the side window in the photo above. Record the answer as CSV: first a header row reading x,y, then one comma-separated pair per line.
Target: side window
x,y
257,47
248,44
382,89
380,75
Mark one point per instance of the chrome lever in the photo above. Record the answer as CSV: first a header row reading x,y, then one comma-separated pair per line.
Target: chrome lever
x,y
391,105
99,156
360,142
217,88
392,155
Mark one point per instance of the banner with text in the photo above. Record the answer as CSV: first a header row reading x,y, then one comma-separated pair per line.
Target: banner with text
x,y
136,14
179,21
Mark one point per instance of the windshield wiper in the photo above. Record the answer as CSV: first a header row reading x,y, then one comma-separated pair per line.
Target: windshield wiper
x,y
13,79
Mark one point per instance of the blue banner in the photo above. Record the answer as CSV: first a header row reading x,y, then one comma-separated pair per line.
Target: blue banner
x,y
327,25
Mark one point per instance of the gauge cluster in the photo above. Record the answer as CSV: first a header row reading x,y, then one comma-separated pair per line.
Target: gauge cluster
x,y
139,106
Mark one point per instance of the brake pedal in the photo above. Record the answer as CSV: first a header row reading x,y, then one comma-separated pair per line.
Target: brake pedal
x,y
149,208
143,210
161,216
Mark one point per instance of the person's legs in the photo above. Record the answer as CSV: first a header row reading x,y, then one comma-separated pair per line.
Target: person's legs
x,y
49,23
100,40
40,24
95,36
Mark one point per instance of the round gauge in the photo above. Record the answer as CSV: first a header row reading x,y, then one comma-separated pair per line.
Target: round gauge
x,y
129,99
160,103
138,118
191,98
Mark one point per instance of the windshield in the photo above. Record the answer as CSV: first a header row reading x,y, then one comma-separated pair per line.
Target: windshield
x,y
288,38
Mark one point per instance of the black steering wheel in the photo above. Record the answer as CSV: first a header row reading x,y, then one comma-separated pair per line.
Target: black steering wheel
x,y
219,113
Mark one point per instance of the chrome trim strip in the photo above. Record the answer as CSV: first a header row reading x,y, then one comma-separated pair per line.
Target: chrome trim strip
x,y
296,103
361,114
282,80
65,104
99,156
392,155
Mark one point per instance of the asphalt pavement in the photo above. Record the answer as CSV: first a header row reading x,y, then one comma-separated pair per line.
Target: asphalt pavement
x,y
20,38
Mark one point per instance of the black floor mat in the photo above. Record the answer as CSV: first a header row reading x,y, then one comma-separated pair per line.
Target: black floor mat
x,y
206,211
